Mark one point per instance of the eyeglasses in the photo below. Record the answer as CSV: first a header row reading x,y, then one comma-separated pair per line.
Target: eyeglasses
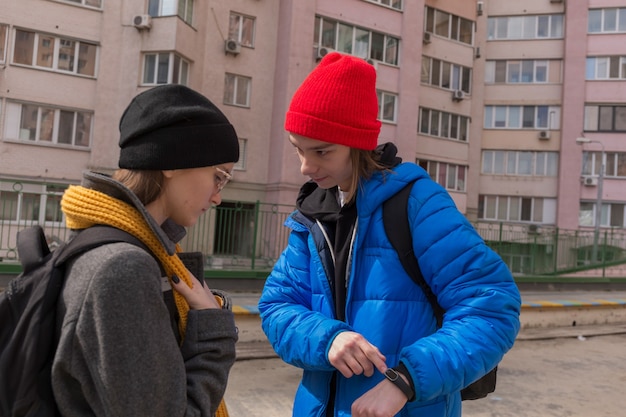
x,y
221,181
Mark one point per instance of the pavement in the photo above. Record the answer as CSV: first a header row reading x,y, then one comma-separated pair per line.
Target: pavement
x,y
544,315
554,325
246,303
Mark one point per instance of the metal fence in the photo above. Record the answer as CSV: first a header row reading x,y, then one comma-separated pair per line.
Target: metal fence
x,y
238,236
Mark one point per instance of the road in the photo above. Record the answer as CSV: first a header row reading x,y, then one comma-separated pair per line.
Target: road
x,y
559,377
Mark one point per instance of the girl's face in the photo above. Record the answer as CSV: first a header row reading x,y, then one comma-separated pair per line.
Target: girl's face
x,y
188,193
327,164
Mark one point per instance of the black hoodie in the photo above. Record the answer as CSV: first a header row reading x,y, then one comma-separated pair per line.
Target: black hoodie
x,y
323,205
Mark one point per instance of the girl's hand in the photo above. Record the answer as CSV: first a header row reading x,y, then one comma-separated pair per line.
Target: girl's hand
x,y
198,296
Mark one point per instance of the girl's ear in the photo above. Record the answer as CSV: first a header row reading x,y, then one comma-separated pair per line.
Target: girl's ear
x,y
169,173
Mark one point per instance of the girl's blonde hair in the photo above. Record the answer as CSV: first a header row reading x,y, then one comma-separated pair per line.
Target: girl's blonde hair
x,y
146,184
364,164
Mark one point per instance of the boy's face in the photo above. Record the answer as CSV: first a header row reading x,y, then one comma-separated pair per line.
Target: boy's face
x,y
328,164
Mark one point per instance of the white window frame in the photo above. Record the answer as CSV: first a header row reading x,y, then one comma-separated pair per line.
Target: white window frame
x,y
13,125
238,82
236,30
84,3
240,165
598,18
330,39
511,208
529,27
385,99
452,33
175,75
426,120
45,194
507,162
392,4
594,117
493,114
452,177
4,42
599,68
59,42
450,75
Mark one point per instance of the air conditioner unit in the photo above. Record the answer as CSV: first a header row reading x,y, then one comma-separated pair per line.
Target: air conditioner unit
x,y
479,8
544,134
426,38
590,181
477,52
322,51
556,1
533,229
142,21
231,46
458,95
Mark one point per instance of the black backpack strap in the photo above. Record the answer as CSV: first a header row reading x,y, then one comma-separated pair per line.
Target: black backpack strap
x,y
32,247
93,237
396,222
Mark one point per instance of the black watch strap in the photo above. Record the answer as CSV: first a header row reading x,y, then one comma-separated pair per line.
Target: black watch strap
x,y
394,376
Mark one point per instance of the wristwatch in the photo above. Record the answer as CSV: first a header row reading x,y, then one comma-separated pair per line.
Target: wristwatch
x,y
394,376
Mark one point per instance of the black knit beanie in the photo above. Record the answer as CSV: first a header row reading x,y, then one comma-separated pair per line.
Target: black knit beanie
x,y
173,127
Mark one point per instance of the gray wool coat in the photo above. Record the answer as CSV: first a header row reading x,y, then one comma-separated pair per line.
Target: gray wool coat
x,y
119,353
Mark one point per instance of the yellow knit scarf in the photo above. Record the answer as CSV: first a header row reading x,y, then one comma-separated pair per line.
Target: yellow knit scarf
x,y
84,207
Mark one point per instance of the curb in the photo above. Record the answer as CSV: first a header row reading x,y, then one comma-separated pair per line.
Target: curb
x,y
609,302
252,310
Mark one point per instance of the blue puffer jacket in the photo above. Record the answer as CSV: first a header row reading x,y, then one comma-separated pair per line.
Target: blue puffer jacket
x,y
471,281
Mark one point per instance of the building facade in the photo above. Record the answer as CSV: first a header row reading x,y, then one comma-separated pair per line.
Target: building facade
x,y
489,96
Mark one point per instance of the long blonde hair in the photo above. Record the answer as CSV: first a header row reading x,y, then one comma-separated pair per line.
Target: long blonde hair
x,y
364,164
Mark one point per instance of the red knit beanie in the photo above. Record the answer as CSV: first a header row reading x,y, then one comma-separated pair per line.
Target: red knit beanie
x,y
337,103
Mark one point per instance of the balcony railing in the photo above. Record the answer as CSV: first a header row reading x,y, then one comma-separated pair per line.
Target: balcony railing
x,y
238,238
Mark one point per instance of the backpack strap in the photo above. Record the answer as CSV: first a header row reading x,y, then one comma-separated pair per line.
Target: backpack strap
x,y
93,237
32,247
396,222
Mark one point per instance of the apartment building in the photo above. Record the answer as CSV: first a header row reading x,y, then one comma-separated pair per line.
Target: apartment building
x,y
489,96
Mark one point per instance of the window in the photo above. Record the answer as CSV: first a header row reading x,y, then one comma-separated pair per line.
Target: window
x,y
180,8
610,20
531,163
449,26
57,54
394,4
516,209
605,118
522,72
41,124
614,164
237,90
445,75
443,124
89,3
606,68
35,203
241,29
522,117
165,68
355,41
4,31
240,165
450,176
612,214
525,27
387,106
